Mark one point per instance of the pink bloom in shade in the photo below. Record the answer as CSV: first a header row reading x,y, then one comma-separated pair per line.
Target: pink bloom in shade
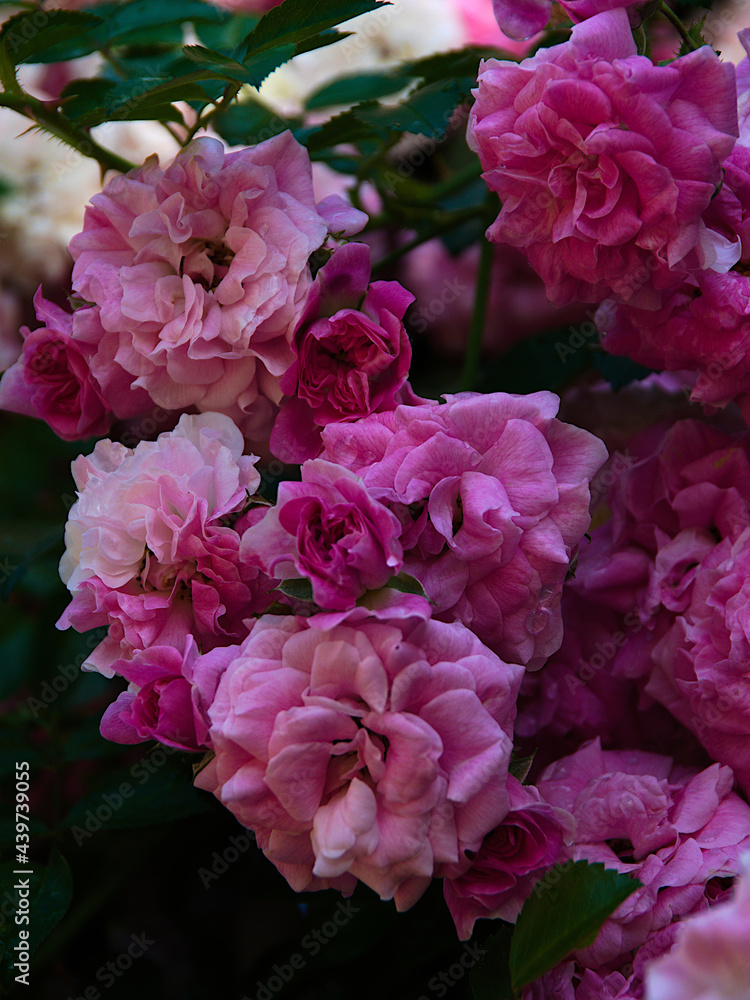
x,y
605,163
352,354
52,380
168,698
329,530
700,665
711,959
200,269
673,828
368,745
512,858
493,495
150,550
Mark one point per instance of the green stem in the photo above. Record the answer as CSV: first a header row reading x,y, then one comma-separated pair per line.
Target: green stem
x,y
455,219
202,120
479,315
55,122
670,15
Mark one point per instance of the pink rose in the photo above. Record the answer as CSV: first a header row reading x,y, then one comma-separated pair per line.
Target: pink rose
x,y
673,828
200,270
604,162
352,354
492,493
363,746
329,530
52,380
168,698
511,859
150,548
710,960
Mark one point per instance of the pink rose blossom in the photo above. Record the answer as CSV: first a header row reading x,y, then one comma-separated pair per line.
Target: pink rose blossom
x,y
493,494
352,354
199,271
150,550
710,960
670,827
605,163
512,858
329,530
168,698
361,745
52,379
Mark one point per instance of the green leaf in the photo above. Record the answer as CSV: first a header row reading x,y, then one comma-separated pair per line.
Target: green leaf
x,y
85,98
695,34
406,584
519,767
53,896
249,123
360,87
619,371
218,63
138,100
32,32
126,21
301,589
564,912
296,20
490,977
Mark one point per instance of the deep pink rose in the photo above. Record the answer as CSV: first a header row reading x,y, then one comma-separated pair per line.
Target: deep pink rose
x,y
52,379
200,270
168,698
493,495
364,745
672,827
352,354
511,859
329,530
150,547
604,162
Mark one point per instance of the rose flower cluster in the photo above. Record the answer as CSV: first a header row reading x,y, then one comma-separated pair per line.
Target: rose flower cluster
x,y
357,657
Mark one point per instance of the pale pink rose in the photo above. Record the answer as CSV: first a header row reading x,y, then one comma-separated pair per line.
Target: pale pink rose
x,y
150,547
364,745
329,530
351,354
200,270
493,495
673,828
512,858
710,959
606,163
168,697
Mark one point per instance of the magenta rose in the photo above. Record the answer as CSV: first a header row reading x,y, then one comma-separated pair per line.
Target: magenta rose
x,y
352,354
200,271
364,745
510,861
168,698
152,547
52,380
329,530
493,496
605,163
